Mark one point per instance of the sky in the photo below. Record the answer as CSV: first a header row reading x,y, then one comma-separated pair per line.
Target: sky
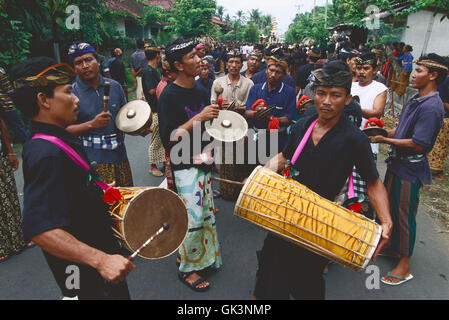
x,y
284,10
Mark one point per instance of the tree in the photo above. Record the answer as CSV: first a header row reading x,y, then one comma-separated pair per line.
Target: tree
x,y
192,18
220,12
251,33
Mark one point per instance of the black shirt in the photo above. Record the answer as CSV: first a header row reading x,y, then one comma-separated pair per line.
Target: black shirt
x,y
117,71
176,106
56,195
150,79
324,168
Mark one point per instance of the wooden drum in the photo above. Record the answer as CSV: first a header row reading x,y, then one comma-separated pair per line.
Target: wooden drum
x,y
141,213
294,212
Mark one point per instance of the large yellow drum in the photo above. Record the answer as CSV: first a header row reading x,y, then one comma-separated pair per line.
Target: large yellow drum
x,y
294,212
141,213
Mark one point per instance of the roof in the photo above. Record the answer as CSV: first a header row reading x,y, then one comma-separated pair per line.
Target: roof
x,y
135,8
216,20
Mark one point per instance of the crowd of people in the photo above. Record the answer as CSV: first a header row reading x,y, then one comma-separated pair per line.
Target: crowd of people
x,y
285,90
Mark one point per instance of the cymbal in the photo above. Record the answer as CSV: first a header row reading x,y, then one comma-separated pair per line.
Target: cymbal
x,y
375,131
228,127
133,117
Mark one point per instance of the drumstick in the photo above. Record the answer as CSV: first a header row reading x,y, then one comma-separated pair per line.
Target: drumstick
x,y
164,227
107,85
228,181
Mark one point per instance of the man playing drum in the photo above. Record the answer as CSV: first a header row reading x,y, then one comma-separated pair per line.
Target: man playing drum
x,y
64,213
334,147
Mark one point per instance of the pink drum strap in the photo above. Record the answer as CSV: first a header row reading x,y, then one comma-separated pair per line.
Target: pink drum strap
x,y
301,146
72,154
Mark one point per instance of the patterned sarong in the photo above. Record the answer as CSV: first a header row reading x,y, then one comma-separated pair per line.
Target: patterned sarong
x,y
156,152
118,172
404,201
11,237
200,248
437,157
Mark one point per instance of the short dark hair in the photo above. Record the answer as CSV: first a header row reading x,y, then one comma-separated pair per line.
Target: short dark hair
x,y
140,43
25,98
151,54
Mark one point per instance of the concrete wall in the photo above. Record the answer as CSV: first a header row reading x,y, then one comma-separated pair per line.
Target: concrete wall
x,y
121,25
421,26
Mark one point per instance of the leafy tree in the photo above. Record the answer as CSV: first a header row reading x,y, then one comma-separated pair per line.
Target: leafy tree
x,y
192,18
251,33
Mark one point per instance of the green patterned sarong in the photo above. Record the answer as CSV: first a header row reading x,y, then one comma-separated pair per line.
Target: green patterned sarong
x,y
200,249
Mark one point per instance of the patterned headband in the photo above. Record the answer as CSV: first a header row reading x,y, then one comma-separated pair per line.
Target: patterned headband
x,y
256,54
281,63
341,79
78,49
359,61
431,64
58,74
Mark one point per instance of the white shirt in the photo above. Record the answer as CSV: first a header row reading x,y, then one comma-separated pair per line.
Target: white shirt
x,y
367,95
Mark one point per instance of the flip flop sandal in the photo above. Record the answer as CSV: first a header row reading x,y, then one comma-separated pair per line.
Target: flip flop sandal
x,y
30,244
401,280
183,277
156,173
4,258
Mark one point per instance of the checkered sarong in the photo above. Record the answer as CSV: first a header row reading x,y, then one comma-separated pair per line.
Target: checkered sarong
x,y
360,190
103,142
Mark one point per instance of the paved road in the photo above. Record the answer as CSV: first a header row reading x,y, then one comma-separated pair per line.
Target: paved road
x,y
26,276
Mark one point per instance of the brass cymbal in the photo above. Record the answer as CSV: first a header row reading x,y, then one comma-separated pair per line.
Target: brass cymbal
x,y
228,127
133,117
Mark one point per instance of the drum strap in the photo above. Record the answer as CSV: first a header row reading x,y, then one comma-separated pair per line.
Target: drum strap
x,y
111,195
351,194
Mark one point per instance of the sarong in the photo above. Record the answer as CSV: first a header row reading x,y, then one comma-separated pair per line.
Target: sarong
x,y
437,157
118,172
200,248
11,236
404,200
156,151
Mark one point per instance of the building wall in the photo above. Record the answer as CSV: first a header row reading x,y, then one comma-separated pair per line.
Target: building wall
x,y
121,25
415,35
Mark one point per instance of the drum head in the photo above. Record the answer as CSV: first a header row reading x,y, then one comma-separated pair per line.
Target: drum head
x,y
145,215
375,131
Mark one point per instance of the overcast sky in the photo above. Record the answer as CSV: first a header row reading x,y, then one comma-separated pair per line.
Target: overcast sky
x,y
283,10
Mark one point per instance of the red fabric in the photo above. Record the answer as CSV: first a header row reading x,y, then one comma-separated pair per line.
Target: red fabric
x,y
355,207
273,124
303,98
376,121
257,103
220,101
112,195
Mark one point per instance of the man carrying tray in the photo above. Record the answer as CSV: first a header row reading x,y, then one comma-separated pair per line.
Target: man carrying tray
x,y
334,147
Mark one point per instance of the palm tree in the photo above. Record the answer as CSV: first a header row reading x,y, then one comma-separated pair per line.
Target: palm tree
x,y
254,16
220,12
240,16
